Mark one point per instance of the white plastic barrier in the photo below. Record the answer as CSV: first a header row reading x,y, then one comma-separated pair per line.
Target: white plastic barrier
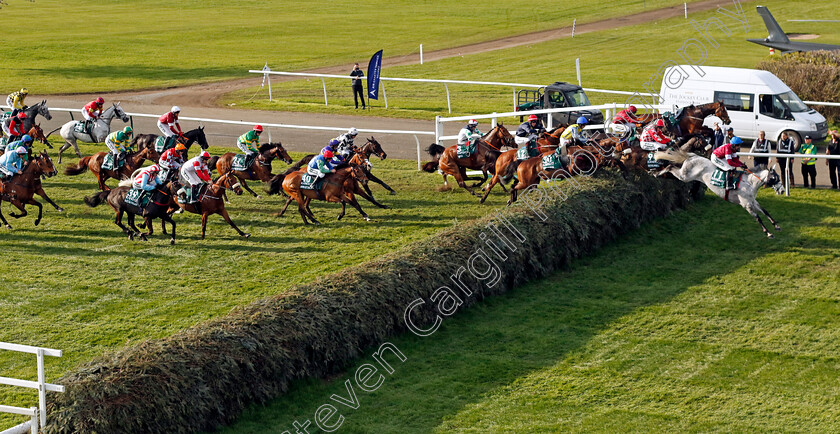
x,y
37,414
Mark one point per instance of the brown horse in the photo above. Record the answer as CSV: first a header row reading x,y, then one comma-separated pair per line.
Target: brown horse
x,y
488,150
19,191
692,117
213,203
334,189
582,160
143,141
94,164
502,175
362,158
158,207
37,134
260,170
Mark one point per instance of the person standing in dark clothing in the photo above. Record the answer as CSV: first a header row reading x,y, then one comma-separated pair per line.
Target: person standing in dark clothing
x,y
761,145
358,90
833,165
786,146
718,141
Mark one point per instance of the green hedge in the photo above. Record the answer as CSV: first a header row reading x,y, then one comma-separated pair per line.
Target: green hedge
x,y
204,377
813,75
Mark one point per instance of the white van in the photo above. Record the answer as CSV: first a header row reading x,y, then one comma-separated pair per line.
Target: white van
x,y
755,100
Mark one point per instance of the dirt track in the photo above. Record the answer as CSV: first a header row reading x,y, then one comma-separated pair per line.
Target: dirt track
x,y
200,100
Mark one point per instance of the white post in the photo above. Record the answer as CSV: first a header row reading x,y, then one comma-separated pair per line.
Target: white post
x,y
493,121
787,176
384,95
269,87
577,67
33,422
421,54
514,99
549,124
438,129
42,387
448,101
325,91
685,6
418,151
573,27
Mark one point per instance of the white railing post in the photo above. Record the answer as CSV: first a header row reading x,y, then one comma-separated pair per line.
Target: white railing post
x,y
493,121
268,77
42,387
421,54
448,102
549,122
438,129
418,152
325,91
33,422
514,98
384,95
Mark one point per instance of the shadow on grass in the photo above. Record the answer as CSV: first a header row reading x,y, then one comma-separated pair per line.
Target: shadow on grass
x,y
535,326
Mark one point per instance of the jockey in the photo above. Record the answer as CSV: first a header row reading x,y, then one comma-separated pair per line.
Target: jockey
x,y
469,133
249,143
320,165
336,159
147,179
626,119
93,110
653,139
528,133
726,157
196,173
119,142
13,162
172,160
16,126
15,100
573,133
25,142
169,126
345,143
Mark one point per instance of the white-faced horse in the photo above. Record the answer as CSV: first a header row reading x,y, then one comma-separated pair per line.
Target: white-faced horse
x,y
101,129
696,168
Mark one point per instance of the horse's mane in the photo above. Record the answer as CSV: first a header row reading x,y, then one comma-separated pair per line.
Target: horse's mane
x,y
267,147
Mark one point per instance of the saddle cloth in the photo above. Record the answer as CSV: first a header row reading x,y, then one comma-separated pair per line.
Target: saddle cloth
x,y
721,180
241,162
108,163
552,162
464,151
309,182
159,145
138,197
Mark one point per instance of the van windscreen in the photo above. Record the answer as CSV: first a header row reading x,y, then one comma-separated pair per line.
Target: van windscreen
x,y
796,105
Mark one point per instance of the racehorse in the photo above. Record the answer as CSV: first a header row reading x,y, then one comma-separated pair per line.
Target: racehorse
x,y
334,189
692,117
546,144
31,113
35,132
94,164
101,129
158,207
697,168
488,150
21,189
212,202
141,141
260,169
362,158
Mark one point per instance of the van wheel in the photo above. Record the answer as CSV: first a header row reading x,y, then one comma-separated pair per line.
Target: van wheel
x,y
797,139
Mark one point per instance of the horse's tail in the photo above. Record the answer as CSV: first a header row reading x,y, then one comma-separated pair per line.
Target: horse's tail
x,y
79,168
212,163
275,185
97,198
48,134
510,171
677,157
435,151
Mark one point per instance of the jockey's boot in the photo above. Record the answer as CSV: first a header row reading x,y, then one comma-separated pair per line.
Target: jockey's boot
x,y
196,191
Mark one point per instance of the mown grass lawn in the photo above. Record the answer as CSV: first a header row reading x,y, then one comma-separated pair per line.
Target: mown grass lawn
x,y
695,322
87,45
76,283
620,59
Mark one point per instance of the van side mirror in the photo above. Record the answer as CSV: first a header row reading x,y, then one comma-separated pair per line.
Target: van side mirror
x,y
787,114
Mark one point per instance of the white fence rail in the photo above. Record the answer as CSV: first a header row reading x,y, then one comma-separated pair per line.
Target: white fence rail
x,y
38,415
446,83
271,125
791,156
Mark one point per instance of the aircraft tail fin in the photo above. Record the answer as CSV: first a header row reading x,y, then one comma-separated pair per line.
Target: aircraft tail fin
x,y
776,32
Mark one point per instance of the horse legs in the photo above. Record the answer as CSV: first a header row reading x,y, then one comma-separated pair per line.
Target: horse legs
x,y
373,178
40,209
3,218
225,215
283,211
751,208
483,180
311,215
145,235
248,189
118,222
493,182
168,218
369,198
341,215
513,192
358,207
19,205
772,221
459,178
40,192
63,148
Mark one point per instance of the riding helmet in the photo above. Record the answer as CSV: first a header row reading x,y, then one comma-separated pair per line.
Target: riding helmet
x,y
582,120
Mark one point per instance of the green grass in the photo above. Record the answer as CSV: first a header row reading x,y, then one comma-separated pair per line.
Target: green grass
x,y
622,59
76,283
695,322
88,45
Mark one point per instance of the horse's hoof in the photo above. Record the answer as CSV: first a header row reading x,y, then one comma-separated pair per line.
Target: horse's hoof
x,y
769,235
778,228
258,197
367,219
37,222
143,237
246,235
60,209
172,242
131,236
386,207
392,192
340,217
8,226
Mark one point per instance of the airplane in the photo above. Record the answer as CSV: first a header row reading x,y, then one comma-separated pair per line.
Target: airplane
x,y
780,41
